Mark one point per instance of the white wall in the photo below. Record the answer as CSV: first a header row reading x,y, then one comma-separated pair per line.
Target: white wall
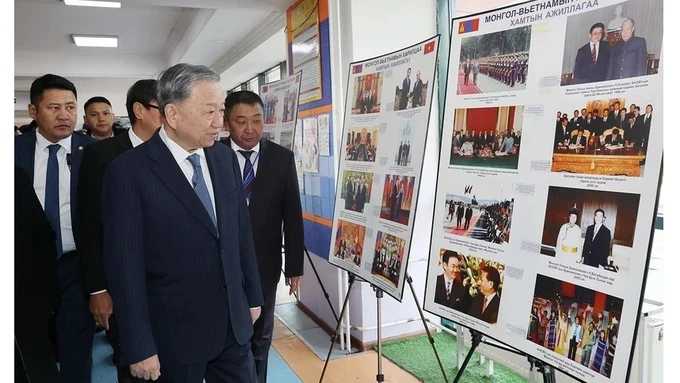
x,y
114,89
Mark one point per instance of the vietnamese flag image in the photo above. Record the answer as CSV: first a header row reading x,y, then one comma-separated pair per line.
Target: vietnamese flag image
x,y
429,47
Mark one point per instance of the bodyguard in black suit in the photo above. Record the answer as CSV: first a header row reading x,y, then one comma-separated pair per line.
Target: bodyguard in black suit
x,y
36,285
142,108
629,56
592,59
178,250
597,242
271,189
51,155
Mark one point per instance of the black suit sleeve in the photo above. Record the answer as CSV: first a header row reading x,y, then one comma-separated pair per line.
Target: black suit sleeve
x,y
293,227
89,215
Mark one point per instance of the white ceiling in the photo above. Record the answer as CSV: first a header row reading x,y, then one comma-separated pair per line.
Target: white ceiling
x,y
153,34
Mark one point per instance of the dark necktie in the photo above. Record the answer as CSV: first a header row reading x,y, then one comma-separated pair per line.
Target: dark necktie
x,y
200,186
248,174
52,195
594,54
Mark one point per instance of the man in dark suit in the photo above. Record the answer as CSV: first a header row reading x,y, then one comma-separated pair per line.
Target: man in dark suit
x,y
142,108
51,155
485,305
417,91
578,139
629,56
562,132
405,90
597,242
450,291
100,119
613,139
270,182
592,59
178,249
36,285
468,217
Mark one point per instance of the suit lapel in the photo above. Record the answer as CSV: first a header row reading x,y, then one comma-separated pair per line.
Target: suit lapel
x,y
265,164
27,154
172,176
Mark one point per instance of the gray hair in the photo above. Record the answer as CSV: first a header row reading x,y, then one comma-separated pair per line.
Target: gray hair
x,y
630,21
176,82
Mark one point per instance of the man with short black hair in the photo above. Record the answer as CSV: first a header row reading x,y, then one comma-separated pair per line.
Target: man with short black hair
x,y
51,155
99,119
142,108
272,192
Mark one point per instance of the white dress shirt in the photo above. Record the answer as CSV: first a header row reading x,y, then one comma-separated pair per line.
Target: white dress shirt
x,y
42,153
596,229
136,141
181,156
242,159
597,49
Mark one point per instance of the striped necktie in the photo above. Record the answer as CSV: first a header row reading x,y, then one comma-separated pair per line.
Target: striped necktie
x,y
248,174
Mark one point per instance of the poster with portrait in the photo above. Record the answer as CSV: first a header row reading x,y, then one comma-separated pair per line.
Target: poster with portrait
x,y
381,160
548,179
280,100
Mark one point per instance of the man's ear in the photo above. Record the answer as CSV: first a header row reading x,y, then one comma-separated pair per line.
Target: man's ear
x,y
171,114
138,110
32,111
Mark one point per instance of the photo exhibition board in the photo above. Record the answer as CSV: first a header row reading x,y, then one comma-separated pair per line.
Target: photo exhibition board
x,y
382,150
280,100
548,176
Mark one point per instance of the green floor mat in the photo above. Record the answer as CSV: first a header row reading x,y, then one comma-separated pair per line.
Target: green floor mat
x,y
415,355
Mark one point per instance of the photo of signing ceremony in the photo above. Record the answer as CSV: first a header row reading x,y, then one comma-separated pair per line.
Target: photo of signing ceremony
x,y
603,137
338,191
494,62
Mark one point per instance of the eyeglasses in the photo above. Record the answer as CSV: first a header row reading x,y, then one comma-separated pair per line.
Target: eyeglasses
x,y
153,106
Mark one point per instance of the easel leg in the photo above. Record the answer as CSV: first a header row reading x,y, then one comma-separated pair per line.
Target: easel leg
x,y
378,295
325,293
476,339
337,328
546,370
427,329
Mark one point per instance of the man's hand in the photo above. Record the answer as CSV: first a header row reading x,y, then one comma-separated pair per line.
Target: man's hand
x,y
101,307
294,283
255,313
148,369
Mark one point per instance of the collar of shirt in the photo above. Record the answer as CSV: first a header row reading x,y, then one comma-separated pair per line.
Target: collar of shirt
x,y
597,46
255,149
42,143
489,297
597,227
136,141
447,280
178,152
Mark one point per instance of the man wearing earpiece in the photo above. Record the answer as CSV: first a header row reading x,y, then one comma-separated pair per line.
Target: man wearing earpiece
x,y
598,240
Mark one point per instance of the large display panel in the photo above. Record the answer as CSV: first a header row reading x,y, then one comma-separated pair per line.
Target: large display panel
x,y
382,150
280,100
548,178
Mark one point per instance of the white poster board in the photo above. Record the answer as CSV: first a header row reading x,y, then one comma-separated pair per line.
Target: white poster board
x,y
381,158
542,225
280,100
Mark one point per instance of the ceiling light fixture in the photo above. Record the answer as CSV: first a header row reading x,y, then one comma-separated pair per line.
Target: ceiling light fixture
x,y
92,3
96,41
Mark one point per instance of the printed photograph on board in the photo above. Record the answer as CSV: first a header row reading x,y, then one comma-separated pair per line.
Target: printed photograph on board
x,y
575,322
361,144
290,105
349,241
615,42
356,190
480,210
602,137
367,93
470,285
591,228
397,198
487,137
402,156
287,139
270,102
269,135
388,256
494,62
412,93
